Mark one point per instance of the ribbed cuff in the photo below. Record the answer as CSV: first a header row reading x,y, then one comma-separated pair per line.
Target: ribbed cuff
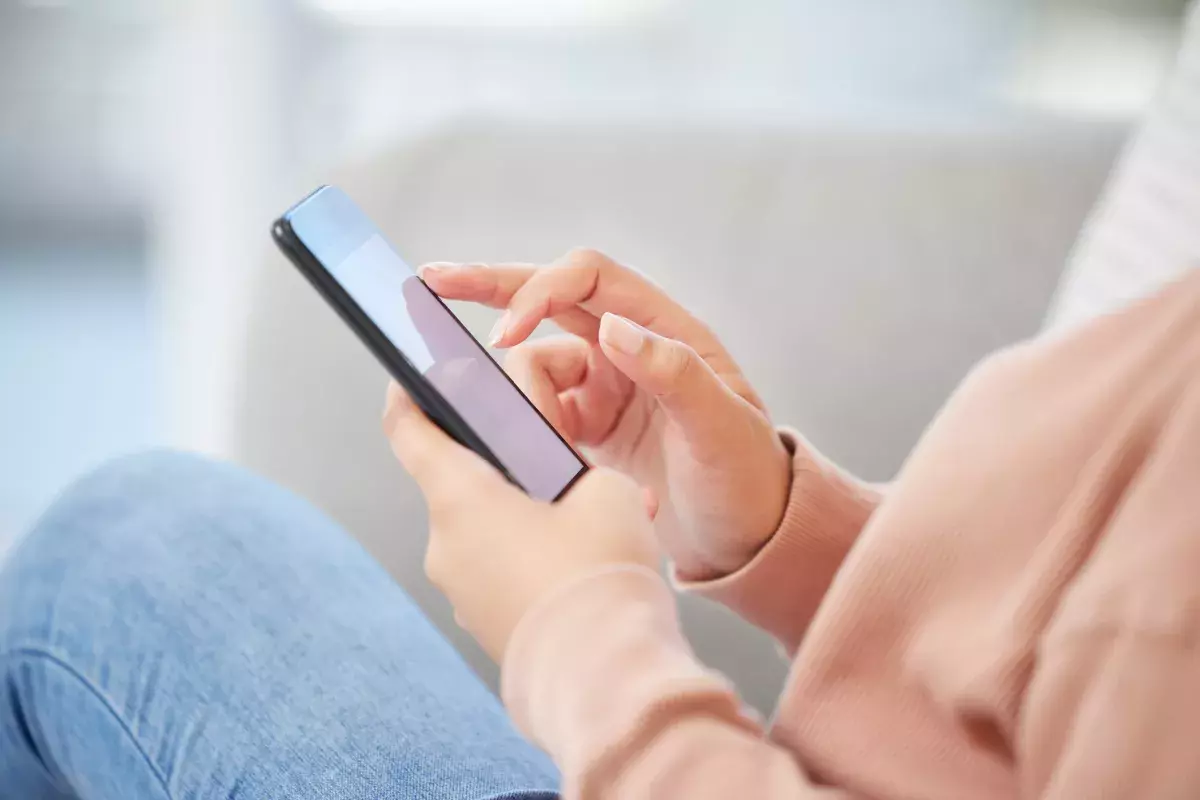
x,y
780,588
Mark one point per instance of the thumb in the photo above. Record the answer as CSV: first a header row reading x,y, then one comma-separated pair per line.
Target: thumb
x,y
683,383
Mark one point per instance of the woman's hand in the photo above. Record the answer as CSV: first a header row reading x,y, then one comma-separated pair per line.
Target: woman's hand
x,y
646,388
493,551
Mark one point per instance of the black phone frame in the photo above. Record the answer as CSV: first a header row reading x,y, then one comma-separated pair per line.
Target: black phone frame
x,y
424,394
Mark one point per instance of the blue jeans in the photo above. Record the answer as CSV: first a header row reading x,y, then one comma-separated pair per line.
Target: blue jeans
x,y
175,628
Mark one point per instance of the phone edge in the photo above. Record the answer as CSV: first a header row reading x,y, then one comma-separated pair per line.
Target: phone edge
x,y
424,394
431,403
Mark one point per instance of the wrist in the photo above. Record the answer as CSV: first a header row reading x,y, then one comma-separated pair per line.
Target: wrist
x,y
732,546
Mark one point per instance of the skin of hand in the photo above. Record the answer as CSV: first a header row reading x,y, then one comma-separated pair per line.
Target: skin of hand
x,y
642,386
495,552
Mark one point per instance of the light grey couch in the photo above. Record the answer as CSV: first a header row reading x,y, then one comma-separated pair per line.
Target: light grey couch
x,y
856,273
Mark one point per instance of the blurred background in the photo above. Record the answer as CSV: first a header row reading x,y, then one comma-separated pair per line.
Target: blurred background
x,y
862,197
145,146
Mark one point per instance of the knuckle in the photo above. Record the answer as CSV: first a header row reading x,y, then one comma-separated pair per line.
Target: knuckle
x,y
704,331
676,361
590,262
395,423
497,294
584,256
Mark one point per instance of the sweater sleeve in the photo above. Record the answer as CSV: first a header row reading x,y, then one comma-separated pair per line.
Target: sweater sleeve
x,y
780,588
600,676
1112,713
1113,706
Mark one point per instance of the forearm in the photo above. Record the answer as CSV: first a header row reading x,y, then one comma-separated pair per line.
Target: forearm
x,y
601,677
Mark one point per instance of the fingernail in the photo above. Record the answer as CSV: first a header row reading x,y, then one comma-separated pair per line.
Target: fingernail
x,y
622,335
438,267
499,329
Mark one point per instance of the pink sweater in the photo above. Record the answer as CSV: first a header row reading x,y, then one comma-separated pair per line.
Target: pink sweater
x,y
1018,617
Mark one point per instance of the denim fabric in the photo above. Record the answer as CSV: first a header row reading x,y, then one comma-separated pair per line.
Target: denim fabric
x,y
176,628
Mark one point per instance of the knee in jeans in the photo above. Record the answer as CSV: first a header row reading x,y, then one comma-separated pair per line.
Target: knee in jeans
x,y
135,499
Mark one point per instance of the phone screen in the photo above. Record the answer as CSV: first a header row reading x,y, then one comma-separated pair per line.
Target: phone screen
x,y
355,254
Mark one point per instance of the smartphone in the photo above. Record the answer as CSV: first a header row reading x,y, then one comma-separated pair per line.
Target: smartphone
x,y
416,337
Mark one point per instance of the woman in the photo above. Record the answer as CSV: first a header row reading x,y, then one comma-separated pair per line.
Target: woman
x,y
1015,616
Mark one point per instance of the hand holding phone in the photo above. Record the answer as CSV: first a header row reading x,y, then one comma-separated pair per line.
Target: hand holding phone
x,y
422,344
649,390
495,552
